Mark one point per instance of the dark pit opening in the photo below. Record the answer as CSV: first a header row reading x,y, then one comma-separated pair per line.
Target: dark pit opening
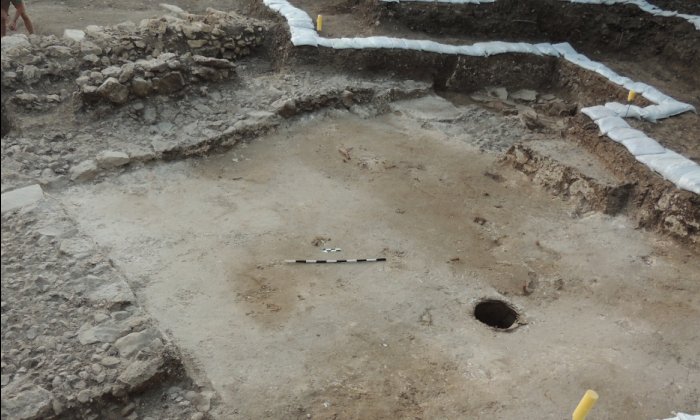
x,y
495,313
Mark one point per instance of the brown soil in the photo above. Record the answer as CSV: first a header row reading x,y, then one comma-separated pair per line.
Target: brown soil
x,y
683,6
624,30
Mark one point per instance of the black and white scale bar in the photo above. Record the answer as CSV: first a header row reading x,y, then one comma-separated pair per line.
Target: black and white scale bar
x,y
335,261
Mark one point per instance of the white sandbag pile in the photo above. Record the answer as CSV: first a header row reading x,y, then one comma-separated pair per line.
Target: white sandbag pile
x,y
609,117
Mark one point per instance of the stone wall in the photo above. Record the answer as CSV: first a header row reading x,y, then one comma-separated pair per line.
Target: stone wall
x,y
157,56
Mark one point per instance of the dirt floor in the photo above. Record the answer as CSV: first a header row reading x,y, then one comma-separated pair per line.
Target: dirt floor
x,y
204,241
52,18
197,230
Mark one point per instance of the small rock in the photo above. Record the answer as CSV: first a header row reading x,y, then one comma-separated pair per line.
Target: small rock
x,y
83,171
100,377
212,62
30,74
132,343
84,396
285,107
153,65
92,59
32,403
165,126
203,402
499,92
98,334
526,95
169,83
141,87
87,47
347,98
57,407
116,292
206,73
21,197
15,41
57,51
32,332
197,43
110,159
128,409
96,368
113,91
137,106
141,371
75,35
110,361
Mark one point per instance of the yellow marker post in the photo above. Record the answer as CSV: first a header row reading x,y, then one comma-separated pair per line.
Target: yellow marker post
x,y
319,23
587,402
630,99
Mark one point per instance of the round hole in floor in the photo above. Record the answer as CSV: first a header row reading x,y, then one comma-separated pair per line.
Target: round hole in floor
x,y
495,313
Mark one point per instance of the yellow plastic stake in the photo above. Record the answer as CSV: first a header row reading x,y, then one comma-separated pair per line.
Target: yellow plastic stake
x,y
319,23
587,402
630,99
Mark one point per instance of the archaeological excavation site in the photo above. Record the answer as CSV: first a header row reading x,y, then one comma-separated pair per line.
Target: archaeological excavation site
x,y
351,209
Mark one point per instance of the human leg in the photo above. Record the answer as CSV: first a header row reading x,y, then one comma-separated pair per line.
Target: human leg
x,y
21,10
5,10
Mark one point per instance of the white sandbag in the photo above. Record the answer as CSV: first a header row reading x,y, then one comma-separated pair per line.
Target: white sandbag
x,y
564,48
335,43
301,23
426,45
619,80
524,48
656,96
447,49
412,44
430,46
327,42
400,44
472,50
621,134
363,43
691,182
638,87
667,109
304,37
606,71
625,111
609,123
643,145
669,164
676,174
547,49
682,416
494,47
597,112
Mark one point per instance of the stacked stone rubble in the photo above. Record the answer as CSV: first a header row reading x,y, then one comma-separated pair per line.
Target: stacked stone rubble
x,y
158,56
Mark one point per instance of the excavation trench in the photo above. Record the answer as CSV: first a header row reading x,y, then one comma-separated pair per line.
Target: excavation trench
x,y
679,216
600,31
455,191
203,241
